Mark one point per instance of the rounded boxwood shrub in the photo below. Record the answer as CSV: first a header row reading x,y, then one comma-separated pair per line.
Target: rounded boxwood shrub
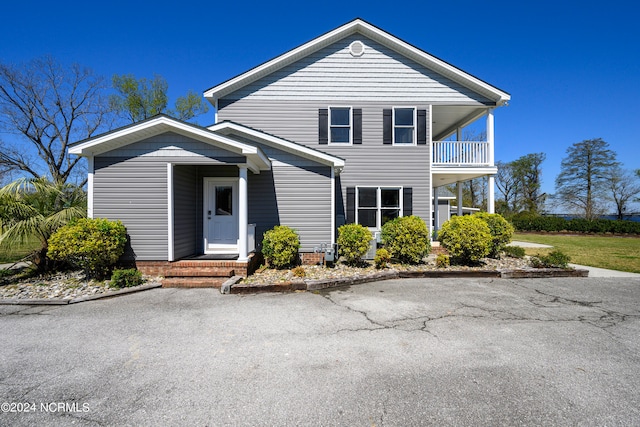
x,y
501,232
280,246
353,242
382,258
91,244
407,239
467,238
126,278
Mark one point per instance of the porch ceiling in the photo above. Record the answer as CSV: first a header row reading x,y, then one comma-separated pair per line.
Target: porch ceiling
x,y
447,118
451,176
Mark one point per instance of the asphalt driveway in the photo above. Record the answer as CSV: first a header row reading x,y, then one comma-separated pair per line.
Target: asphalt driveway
x,y
393,353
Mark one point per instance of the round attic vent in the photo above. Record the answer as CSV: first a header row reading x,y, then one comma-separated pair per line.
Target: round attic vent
x,y
356,48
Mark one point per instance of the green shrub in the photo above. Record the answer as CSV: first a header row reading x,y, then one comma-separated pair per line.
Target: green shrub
x,y
513,251
467,238
443,261
501,232
353,242
299,271
280,246
555,259
526,221
382,258
126,278
91,244
407,239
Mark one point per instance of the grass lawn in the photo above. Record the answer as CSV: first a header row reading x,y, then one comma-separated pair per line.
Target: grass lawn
x,y
18,252
615,253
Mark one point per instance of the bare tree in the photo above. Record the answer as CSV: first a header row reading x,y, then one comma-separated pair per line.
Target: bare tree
x,y
48,106
623,187
508,186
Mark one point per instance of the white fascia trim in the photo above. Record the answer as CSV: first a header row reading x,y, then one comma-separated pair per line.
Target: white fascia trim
x,y
372,32
462,170
221,141
283,144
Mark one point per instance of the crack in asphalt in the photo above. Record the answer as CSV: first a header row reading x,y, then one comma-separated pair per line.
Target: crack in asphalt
x,y
607,319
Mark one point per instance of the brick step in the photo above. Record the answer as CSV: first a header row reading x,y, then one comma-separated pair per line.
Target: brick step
x,y
200,272
193,282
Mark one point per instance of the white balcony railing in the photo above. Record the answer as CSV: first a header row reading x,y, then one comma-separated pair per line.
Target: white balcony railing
x,y
461,153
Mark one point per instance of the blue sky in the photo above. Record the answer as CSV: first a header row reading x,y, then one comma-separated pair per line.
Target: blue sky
x,y
571,67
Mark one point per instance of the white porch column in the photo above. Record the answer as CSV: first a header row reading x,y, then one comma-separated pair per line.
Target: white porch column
x,y
243,214
459,199
491,194
436,210
490,135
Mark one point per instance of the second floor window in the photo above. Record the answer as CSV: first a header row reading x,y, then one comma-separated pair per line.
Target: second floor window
x,y
404,126
340,125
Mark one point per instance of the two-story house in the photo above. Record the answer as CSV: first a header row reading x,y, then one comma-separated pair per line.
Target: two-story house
x,y
353,126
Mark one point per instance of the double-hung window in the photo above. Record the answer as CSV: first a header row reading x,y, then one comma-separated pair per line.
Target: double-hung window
x,y
340,125
404,129
377,205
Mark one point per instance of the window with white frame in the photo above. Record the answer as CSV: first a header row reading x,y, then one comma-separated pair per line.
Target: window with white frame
x,y
377,205
340,125
404,129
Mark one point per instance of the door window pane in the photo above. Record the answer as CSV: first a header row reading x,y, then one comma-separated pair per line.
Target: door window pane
x,y
224,200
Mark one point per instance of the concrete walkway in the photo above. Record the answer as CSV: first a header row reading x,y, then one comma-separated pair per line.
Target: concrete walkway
x,y
593,271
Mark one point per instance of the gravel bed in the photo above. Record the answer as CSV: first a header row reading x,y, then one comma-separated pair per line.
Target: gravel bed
x,y
341,271
64,286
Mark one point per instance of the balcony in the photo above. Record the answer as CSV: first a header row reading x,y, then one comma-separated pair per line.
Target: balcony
x,y
461,153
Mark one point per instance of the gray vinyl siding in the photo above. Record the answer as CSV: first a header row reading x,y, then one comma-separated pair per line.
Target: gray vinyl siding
x,y
371,163
135,192
186,207
297,194
130,184
380,74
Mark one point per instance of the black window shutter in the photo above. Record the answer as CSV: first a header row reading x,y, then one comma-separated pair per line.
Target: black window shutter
x,y
386,126
351,205
357,125
407,201
422,127
323,126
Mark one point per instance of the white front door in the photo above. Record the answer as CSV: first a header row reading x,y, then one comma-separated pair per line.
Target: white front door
x,y
220,215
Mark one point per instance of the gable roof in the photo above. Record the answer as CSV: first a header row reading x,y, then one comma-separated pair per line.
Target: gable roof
x,y
220,135
231,128
366,29
159,124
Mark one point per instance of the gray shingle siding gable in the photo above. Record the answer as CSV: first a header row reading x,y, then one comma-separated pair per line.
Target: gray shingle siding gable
x,y
381,74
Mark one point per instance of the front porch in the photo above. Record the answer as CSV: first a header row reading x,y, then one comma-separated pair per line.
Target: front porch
x,y
456,160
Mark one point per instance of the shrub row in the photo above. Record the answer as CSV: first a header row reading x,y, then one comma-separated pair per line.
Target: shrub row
x,y
529,222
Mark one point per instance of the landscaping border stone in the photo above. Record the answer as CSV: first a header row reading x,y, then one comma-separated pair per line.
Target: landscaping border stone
x,y
53,301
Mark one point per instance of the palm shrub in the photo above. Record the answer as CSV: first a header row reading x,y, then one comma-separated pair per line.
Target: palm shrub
x,y
280,246
33,209
466,238
94,245
353,242
407,239
501,232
